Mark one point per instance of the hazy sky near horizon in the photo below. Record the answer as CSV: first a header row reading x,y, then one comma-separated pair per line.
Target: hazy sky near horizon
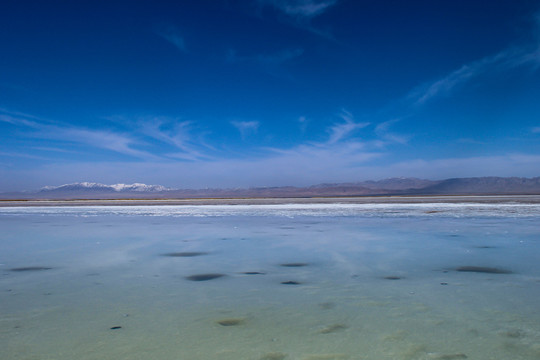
x,y
240,93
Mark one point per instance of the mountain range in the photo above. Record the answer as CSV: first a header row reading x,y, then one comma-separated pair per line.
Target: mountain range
x,y
386,187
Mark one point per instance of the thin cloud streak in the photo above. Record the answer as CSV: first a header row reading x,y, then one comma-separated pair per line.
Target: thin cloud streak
x,y
301,12
382,130
301,8
17,120
271,59
119,143
175,133
505,60
172,34
165,130
340,131
108,140
23,155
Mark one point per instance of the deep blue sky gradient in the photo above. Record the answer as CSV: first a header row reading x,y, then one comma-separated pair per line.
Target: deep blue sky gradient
x,y
266,92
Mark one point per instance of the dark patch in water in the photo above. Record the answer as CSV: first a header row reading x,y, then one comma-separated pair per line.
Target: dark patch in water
x,y
485,270
273,356
294,264
290,282
185,254
204,277
485,247
327,305
444,283
514,334
231,322
115,327
253,273
31,268
333,328
448,356
392,278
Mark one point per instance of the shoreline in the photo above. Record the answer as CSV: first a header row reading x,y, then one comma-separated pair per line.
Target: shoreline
x,y
485,199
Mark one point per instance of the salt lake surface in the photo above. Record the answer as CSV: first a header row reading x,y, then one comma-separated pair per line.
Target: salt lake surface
x,y
271,282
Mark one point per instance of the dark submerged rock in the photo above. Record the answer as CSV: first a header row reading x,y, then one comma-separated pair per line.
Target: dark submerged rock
x,y
294,264
185,254
31,268
115,327
231,322
290,282
204,277
333,328
482,269
447,356
514,334
327,305
273,356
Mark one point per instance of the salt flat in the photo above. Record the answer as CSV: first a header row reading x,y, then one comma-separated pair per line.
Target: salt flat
x,y
318,200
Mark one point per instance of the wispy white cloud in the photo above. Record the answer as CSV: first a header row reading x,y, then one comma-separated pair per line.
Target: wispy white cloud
x,y
470,141
17,119
23,155
173,132
108,140
170,33
382,130
55,150
269,59
303,121
279,57
342,130
246,127
170,131
301,8
300,13
508,59
103,139
338,154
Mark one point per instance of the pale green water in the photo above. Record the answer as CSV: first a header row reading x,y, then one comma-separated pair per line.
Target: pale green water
x,y
107,270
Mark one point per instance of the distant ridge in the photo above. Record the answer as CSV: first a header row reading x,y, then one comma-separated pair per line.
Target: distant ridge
x,y
485,186
386,187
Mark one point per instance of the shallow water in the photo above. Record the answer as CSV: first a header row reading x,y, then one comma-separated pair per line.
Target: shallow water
x,y
295,282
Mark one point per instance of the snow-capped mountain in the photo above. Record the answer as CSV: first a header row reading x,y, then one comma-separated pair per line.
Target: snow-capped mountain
x,y
97,187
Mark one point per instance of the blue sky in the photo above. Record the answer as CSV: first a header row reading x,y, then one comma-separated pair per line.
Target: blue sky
x,y
241,93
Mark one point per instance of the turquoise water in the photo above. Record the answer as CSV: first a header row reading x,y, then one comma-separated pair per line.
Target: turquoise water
x,y
360,282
